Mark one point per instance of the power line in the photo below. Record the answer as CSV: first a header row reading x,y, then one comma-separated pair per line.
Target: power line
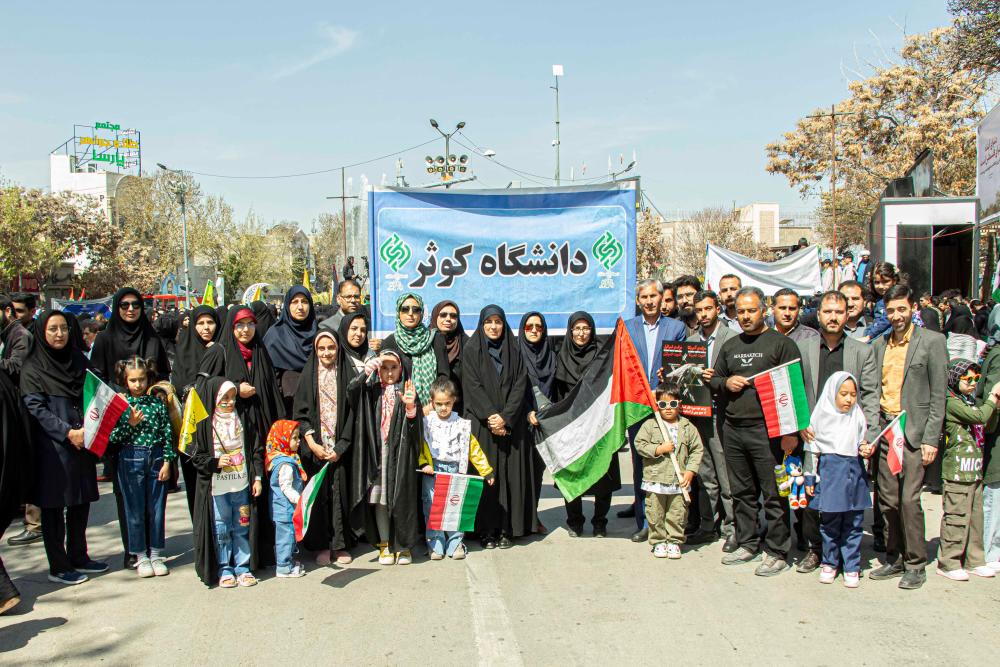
x,y
520,172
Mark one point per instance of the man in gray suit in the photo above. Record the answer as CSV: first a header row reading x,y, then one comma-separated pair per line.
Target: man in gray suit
x,y
715,501
913,362
830,352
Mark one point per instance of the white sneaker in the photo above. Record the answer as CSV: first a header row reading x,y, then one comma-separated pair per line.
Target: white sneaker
x,y
852,579
386,557
984,571
660,550
404,558
954,575
827,574
673,551
293,573
145,568
994,565
160,568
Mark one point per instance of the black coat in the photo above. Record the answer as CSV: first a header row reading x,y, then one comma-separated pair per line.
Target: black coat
x,y
15,451
64,475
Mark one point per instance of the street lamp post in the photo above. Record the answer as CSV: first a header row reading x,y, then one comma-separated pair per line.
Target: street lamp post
x,y
557,71
180,189
447,144
615,175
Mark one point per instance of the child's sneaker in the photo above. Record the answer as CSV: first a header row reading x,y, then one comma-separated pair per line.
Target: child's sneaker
x,y
954,575
404,558
827,574
436,555
386,557
295,571
984,571
145,568
673,551
460,552
660,550
160,568
852,579
994,565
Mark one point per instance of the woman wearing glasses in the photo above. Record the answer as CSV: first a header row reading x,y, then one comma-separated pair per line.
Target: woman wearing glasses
x,y
578,351
52,380
421,352
240,357
446,319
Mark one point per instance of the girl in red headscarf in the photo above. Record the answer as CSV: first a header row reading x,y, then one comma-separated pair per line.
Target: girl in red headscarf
x,y
281,459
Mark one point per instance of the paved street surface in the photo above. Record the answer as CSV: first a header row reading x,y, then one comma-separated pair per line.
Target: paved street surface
x,y
552,600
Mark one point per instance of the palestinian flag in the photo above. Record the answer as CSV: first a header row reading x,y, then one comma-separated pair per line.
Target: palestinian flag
x,y
194,412
578,436
303,508
102,407
895,437
456,499
782,395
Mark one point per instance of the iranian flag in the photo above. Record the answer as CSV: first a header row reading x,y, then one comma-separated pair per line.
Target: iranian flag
x,y
995,293
578,436
894,435
782,395
456,499
102,407
303,508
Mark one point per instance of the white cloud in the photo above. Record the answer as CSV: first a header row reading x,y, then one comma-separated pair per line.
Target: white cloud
x,y
337,40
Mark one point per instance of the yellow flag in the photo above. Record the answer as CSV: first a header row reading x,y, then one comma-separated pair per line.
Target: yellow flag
x,y
209,298
194,412
258,294
305,280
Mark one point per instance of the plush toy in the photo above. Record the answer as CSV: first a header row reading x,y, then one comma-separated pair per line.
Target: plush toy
x,y
796,483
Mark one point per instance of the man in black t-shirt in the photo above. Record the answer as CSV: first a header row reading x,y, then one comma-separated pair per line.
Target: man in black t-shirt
x,y
750,455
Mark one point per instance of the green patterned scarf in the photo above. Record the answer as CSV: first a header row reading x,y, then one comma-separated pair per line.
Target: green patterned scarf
x,y
417,344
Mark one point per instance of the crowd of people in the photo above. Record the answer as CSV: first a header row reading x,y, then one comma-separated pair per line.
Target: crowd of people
x,y
294,390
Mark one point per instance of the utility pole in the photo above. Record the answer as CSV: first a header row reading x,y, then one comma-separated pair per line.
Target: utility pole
x,y
557,71
833,168
343,206
180,190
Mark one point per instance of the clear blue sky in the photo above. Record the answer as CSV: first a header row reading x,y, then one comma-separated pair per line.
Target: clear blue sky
x,y
695,89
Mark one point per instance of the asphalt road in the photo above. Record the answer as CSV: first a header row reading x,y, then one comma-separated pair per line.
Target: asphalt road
x,y
549,600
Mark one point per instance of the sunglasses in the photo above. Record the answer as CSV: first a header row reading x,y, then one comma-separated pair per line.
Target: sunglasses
x,y
411,310
663,405
447,316
129,305
971,377
533,327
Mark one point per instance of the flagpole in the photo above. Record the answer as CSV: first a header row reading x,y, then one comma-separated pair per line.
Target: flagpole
x,y
888,426
770,370
453,474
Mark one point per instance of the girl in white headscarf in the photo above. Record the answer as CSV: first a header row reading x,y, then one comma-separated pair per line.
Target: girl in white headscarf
x,y
841,483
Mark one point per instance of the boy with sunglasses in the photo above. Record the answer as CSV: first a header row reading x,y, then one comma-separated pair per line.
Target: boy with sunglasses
x,y
666,508
961,551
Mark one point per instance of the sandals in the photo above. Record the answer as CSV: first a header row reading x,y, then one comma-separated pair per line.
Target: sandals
x,y
246,579
227,581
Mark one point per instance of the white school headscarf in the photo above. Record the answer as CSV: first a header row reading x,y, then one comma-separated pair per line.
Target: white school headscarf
x,y
835,431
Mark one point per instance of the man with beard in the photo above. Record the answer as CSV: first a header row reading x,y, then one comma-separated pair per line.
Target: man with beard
x,y
668,307
685,289
856,323
830,352
729,285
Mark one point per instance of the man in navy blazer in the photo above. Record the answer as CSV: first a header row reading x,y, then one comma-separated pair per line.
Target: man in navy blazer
x,y
648,331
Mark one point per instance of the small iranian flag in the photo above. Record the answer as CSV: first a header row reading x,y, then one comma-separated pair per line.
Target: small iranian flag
x,y
303,508
456,499
995,294
894,435
782,395
101,409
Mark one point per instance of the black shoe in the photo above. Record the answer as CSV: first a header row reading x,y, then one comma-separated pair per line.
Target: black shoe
x,y
628,513
600,531
489,543
505,542
641,536
24,537
130,562
809,563
887,571
702,537
92,567
878,544
913,579
731,544
573,532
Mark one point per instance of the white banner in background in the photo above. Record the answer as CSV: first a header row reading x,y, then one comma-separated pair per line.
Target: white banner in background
x,y
798,271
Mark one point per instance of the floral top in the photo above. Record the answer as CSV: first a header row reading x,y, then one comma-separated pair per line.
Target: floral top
x,y
327,381
152,431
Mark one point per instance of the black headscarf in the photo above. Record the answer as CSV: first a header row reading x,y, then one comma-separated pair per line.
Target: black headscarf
x,y
360,352
573,359
221,312
265,318
121,339
53,372
290,342
539,358
960,320
499,362
306,407
191,348
15,455
454,340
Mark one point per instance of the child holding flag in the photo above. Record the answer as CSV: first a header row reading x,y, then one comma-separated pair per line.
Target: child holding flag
x,y
666,507
840,488
281,460
144,437
961,546
448,447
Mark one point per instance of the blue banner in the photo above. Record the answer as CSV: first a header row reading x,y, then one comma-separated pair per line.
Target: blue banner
x,y
554,250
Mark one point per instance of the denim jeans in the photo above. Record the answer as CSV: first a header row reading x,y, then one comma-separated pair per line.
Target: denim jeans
x,y
991,521
232,532
439,541
284,546
145,497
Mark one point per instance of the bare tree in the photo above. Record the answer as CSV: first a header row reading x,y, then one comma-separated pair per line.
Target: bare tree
x,y
718,226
